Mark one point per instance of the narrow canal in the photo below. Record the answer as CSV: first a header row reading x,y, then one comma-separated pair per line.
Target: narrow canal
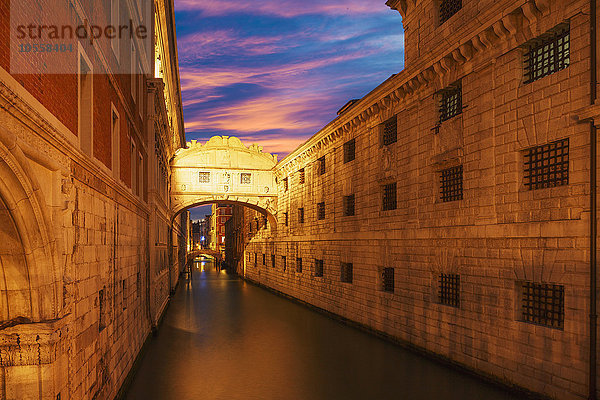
x,y
225,339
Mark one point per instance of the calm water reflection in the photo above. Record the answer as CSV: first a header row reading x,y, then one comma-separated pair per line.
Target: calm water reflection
x,y
225,339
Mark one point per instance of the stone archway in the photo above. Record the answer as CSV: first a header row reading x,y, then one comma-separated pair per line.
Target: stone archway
x,y
28,261
224,170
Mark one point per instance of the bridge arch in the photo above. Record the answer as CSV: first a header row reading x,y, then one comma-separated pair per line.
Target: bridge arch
x,y
224,170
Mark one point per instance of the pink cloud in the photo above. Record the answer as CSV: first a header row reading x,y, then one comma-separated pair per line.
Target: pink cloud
x,y
283,8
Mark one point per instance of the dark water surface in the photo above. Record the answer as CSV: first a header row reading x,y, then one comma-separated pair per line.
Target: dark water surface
x,y
225,339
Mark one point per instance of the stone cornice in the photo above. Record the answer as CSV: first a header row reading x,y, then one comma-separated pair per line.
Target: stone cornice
x,y
404,85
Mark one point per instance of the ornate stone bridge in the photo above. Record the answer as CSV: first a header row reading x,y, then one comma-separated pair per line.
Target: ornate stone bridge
x,y
224,170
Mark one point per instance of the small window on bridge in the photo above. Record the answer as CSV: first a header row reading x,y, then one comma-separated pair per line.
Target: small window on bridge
x,y
299,265
347,272
204,177
245,178
318,268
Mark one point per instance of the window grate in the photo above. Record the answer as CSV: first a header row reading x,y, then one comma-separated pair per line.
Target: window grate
x,y
318,268
451,184
547,165
346,275
448,8
449,293
321,163
320,210
390,131
348,205
548,54
301,215
387,278
543,304
299,265
204,177
349,150
389,197
302,176
245,178
451,103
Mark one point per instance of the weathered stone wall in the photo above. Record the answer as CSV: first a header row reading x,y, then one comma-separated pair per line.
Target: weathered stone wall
x,y
497,236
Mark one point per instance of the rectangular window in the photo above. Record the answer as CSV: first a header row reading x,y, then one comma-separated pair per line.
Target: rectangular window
x,y
272,260
348,205
264,222
255,257
245,178
387,279
346,275
299,265
115,133
285,184
264,259
124,294
250,227
543,304
318,268
320,210
301,215
451,102
547,165
302,176
284,262
102,314
548,54
349,150
389,196
448,8
85,106
390,131
204,177
451,184
321,163
286,219
449,291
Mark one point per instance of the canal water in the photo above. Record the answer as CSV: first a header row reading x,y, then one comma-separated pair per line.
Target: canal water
x,y
225,339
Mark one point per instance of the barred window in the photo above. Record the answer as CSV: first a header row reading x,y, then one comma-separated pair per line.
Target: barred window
x,y
255,257
348,205
449,291
245,178
264,259
318,268
547,165
286,219
204,177
301,215
299,265
390,131
389,196
451,184
320,210
387,280
272,260
349,150
285,184
448,8
283,261
321,163
451,102
543,304
302,176
346,275
548,54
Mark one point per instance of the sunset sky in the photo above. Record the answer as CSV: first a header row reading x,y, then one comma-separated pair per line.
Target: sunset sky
x,y
273,72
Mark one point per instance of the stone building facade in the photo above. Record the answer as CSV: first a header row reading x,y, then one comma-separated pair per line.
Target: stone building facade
x,y
89,251
449,208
